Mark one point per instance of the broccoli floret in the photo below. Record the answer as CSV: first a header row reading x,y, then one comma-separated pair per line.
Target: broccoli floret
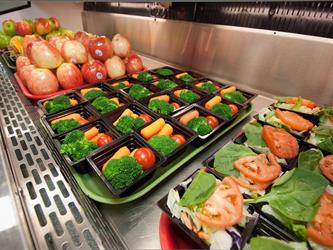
x,y
76,146
165,72
122,172
65,125
235,96
160,107
121,85
186,78
58,103
104,104
200,125
209,87
138,92
223,110
163,144
189,96
166,84
126,124
145,77
94,93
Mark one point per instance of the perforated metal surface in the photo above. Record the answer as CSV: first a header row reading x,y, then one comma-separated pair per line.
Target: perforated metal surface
x,y
56,219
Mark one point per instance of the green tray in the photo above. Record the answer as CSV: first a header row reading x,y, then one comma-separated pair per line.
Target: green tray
x,y
95,189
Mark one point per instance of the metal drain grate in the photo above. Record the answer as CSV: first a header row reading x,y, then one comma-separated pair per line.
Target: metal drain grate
x,y
56,219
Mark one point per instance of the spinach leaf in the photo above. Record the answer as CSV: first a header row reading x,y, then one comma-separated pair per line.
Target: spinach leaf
x,y
264,243
253,133
297,195
326,144
226,156
201,188
310,160
324,136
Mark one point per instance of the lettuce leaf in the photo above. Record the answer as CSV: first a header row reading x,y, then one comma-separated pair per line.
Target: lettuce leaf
x,y
253,133
310,160
265,243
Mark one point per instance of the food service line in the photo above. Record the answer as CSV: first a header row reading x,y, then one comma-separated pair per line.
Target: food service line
x,y
137,222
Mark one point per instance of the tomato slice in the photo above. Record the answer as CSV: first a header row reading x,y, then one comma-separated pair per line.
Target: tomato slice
x,y
258,169
225,206
145,157
326,166
104,140
250,186
305,102
293,120
320,229
180,139
145,117
234,108
280,142
212,121
175,105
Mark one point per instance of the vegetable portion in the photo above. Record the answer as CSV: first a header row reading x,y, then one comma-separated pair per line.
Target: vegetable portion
x,y
221,109
207,86
76,145
326,166
138,92
164,72
199,124
59,103
185,77
65,125
253,133
165,84
163,144
160,107
105,105
266,243
121,84
322,137
297,104
92,93
187,95
143,76
235,96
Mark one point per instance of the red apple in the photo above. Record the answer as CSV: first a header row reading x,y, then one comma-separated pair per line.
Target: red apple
x,y
94,71
74,52
55,22
42,26
100,48
58,41
44,55
23,28
22,61
29,39
133,63
24,73
69,76
121,46
42,81
115,67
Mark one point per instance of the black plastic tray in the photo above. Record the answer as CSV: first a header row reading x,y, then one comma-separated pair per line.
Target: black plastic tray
x,y
84,111
81,165
135,107
71,94
173,98
102,155
177,129
202,112
202,94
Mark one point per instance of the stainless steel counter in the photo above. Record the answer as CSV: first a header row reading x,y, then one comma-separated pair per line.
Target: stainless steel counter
x,y
138,221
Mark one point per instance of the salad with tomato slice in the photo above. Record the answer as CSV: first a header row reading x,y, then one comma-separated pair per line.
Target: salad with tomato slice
x,y
211,208
298,104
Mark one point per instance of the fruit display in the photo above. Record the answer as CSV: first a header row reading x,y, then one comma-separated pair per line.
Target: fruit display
x,y
77,58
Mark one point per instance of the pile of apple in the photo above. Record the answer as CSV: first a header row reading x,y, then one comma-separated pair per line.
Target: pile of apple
x,y
62,62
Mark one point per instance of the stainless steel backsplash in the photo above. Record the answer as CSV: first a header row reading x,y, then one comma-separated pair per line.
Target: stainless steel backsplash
x,y
274,62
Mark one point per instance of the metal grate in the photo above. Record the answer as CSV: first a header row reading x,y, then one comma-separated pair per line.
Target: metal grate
x,y
55,217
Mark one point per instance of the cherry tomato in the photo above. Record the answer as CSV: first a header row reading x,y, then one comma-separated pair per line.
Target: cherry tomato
x,y
212,121
145,117
234,108
224,208
179,139
103,140
320,229
145,157
175,105
326,166
294,120
280,142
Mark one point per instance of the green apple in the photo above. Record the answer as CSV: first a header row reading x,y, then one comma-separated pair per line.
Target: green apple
x,y
8,27
4,41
